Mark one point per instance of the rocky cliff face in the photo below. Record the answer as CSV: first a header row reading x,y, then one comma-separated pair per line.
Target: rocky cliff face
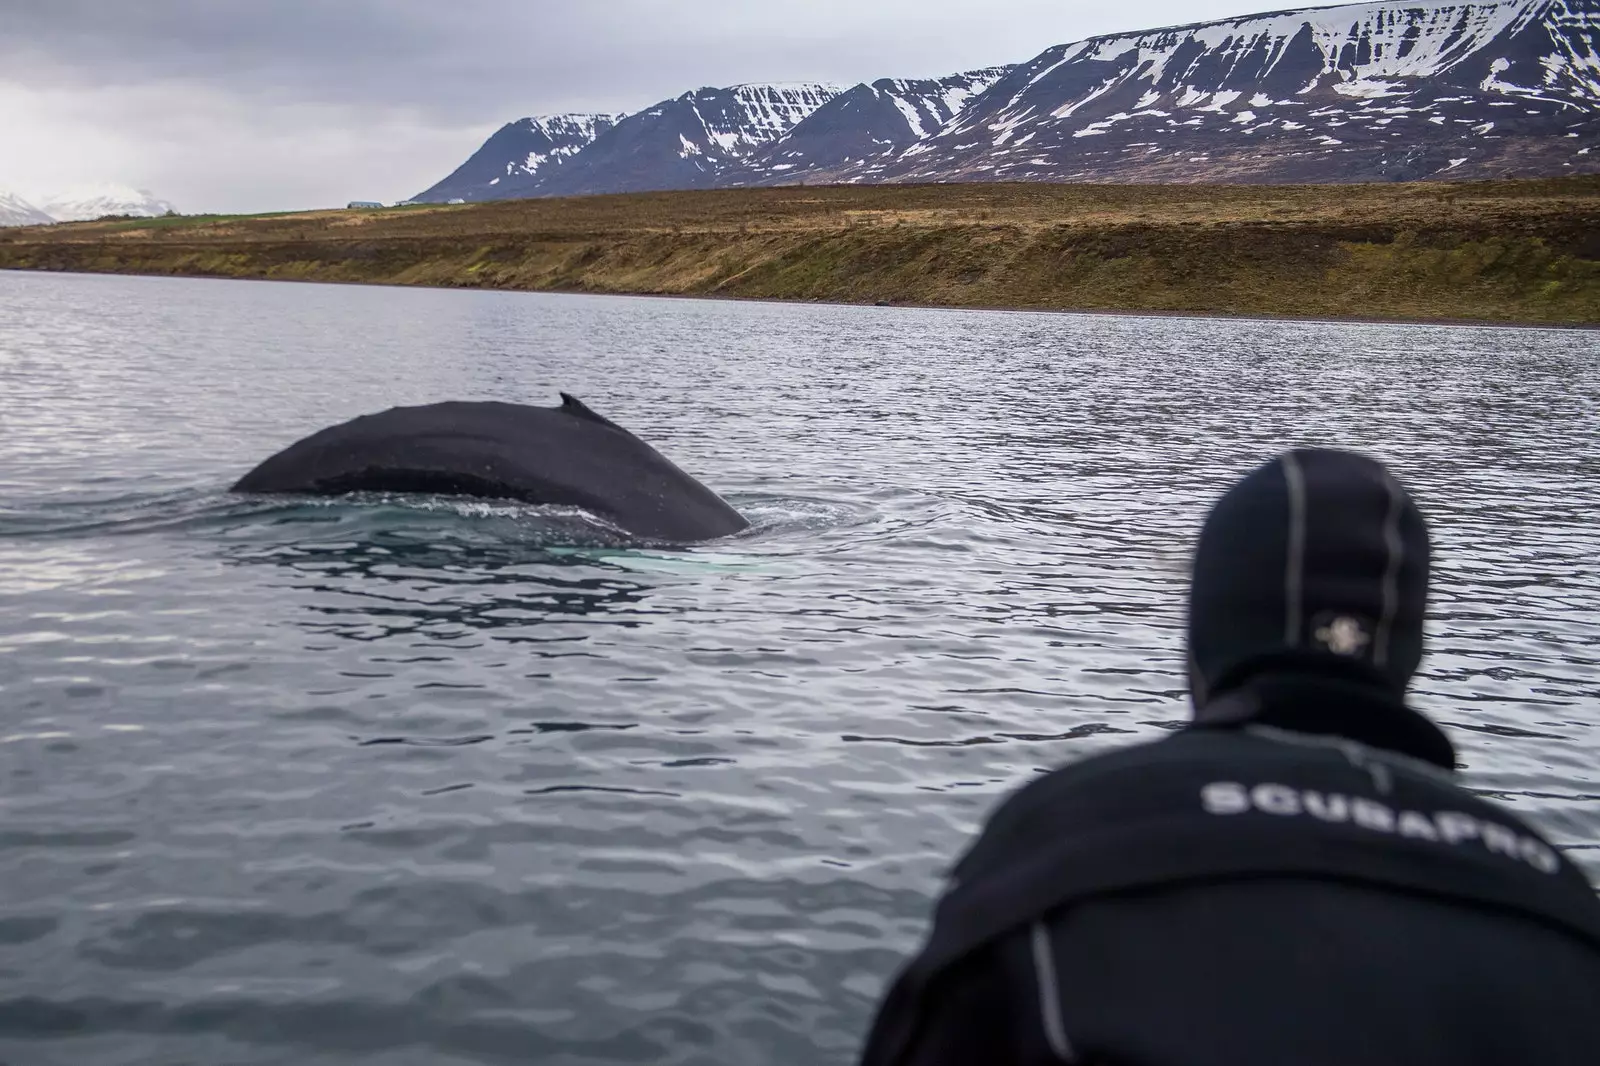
x,y
864,124
1363,92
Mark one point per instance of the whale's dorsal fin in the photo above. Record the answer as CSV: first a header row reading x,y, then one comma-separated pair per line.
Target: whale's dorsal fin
x,y
575,407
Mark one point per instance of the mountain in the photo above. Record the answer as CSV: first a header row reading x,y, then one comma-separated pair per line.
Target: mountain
x,y
683,143
864,123
91,202
1362,92
518,153
15,211
690,142
1365,92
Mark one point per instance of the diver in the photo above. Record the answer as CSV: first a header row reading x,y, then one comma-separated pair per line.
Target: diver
x,y
1294,877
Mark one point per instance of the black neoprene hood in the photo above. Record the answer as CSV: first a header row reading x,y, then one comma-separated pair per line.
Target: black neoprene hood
x,y
1317,560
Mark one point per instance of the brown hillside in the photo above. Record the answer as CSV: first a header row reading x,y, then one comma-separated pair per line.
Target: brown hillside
x,y
1514,251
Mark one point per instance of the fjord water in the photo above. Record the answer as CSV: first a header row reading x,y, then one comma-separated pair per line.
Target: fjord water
x,y
427,781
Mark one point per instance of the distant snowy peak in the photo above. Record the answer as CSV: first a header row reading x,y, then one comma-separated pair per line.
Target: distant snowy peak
x,y
15,211
85,204
863,123
80,205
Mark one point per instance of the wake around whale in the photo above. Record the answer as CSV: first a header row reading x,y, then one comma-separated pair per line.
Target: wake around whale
x,y
566,455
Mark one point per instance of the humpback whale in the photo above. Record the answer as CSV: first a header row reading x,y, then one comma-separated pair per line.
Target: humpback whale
x,y
566,455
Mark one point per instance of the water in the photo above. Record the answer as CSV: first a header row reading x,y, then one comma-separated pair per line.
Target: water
x,y
444,782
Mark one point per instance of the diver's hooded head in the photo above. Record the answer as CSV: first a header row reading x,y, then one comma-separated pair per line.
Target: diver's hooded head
x,y
1316,563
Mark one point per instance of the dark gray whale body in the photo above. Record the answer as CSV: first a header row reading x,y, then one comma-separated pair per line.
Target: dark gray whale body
x,y
556,455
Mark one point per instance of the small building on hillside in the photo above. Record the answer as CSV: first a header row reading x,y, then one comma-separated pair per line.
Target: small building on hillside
x,y
362,203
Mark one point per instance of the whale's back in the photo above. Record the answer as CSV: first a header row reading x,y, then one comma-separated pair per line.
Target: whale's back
x,y
565,455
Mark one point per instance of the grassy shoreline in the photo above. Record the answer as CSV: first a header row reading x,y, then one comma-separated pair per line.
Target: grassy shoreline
x,y
1509,252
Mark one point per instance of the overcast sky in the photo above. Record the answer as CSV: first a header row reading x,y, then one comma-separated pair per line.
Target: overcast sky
x,y
259,105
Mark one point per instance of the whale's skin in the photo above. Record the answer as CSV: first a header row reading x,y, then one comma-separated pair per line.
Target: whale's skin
x,y
566,455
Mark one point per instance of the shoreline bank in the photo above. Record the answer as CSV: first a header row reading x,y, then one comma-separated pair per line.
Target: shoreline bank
x,y
1483,253
1459,323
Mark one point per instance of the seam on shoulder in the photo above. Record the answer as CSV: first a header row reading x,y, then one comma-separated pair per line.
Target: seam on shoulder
x,y
1394,547
1044,968
1295,564
1362,756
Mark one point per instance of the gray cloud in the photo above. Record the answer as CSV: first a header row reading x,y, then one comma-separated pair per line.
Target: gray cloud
x,y
175,90
468,60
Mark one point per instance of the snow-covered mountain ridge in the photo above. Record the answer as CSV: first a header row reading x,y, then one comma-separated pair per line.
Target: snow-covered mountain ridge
x,y
80,204
865,122
686,142
94,201
511,161
692,141
1358,92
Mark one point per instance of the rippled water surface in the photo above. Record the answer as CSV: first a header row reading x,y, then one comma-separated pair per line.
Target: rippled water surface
x,y
413,781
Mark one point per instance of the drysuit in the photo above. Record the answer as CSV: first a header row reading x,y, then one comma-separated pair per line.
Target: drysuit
x,y
1297,877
